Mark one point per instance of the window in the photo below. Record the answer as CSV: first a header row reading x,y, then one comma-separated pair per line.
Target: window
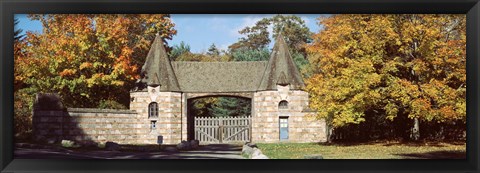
x,y
153,125
153,110
283,104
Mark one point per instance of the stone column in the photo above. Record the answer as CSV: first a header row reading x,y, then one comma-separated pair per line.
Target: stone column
x,y
184,117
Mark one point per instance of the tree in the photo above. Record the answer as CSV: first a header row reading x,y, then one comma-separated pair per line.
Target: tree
x,y
230,106
188,56
406,67
17,33
86,58
178,50
254,46
213,50
251,55
292,27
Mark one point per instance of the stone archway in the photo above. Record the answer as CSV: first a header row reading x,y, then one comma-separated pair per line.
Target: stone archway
x,y
172,83
213,129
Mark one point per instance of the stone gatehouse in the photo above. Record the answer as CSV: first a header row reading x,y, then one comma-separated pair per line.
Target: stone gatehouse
x,y
158,104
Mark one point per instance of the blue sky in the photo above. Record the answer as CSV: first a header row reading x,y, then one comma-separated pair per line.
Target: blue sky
x,y
201,30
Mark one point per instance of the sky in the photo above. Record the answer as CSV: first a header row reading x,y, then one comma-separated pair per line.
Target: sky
x,y
200,30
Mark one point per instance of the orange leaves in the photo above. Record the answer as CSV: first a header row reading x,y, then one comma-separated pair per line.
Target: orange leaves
x,y
67,72
95,55
85,65
410,65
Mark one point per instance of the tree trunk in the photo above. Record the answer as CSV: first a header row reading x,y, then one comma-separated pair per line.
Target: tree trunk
x,y
329,133
415,130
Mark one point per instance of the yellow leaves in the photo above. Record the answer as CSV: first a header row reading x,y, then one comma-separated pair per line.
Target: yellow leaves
x,y
448,112
67,72
85,65
410,63
421,106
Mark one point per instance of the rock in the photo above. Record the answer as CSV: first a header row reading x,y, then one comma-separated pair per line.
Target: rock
x,y
253,145
313,156
194,144
40,139
101,145
112,146
256,152
67,143
51,141
184,145
261,156
247,150
90,144
170,149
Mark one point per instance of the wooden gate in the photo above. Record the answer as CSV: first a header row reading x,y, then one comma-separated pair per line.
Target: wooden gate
x,y
223,129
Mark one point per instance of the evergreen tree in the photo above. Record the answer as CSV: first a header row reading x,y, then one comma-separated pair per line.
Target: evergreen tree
x,y
178,50
17,32
213,50
251,55
230,106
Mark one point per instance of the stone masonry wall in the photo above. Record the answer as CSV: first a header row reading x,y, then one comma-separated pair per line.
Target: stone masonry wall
x,y
88,125
266,116
169,121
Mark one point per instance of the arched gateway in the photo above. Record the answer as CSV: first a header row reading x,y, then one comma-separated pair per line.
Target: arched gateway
x,y
159,105
267,83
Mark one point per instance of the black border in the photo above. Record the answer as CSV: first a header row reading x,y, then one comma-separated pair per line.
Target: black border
x,y
10,7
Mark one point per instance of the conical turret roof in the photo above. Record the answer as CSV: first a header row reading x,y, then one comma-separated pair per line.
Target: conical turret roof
x,y
157,70
281,70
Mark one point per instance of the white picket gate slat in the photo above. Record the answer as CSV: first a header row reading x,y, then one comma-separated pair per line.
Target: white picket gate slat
x,y
222,129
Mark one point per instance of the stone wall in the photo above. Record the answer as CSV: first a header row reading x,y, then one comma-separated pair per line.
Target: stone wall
x,y
169,121
266,116
89,125
134,126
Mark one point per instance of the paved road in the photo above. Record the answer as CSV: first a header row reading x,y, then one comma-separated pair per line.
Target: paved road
x,y
217,151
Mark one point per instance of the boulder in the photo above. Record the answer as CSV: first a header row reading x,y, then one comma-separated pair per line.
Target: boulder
x,y
253,145
194,144
51,141
67,143
89,144
101,145
261,156
247,150
184,145
170,149
112,146
256,152
313,156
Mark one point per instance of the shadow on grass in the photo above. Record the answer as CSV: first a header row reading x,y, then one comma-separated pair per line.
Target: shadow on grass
x,y
436,155
394,143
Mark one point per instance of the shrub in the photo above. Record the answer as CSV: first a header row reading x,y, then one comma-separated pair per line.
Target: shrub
x,y
23,105
110,104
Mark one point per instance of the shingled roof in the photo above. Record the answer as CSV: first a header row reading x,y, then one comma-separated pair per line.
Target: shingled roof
x,y
182,76
157,69
219,76
281,70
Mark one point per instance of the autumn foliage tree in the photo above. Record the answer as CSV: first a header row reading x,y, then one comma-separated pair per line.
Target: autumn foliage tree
x,y
87,58
399,70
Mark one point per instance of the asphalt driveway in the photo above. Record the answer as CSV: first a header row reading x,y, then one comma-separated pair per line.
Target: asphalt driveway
x,y
213,151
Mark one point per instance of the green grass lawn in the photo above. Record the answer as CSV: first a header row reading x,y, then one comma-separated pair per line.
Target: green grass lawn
x,y
380,150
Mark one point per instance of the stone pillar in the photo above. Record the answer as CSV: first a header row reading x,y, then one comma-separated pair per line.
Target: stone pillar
x,y
302,127
169,121
184,117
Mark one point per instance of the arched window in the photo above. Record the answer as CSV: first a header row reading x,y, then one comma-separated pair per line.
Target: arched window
x,y
153,110
283,104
